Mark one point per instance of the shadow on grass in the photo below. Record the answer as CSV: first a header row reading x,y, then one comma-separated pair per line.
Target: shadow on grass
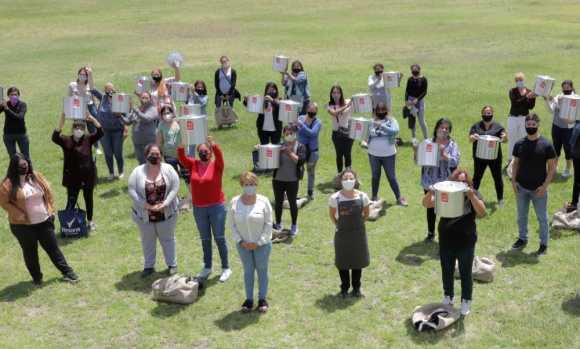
x,y
23,289
331,303
491,207
454,330
325,187
511,258
236,321
572,306
114,192
69,240
559,233
167,309
418,253
134,282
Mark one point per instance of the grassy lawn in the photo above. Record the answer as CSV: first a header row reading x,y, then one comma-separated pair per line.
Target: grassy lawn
x,y
469,51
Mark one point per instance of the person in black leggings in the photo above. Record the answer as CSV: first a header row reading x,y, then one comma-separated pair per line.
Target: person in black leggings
x,y
340,112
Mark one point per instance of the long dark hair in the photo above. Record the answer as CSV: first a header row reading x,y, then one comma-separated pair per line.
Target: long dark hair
x,y
14,178
274,86
203,84
439,123
341,101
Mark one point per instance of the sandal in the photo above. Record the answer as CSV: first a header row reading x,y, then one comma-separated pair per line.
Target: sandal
x,y
247,306
262,306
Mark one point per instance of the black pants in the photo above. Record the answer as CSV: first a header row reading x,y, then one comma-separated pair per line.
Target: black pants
x,y
178,167
576,185
343,148
73,196
431,218
291,190
29,236
479,166
269,136
345,280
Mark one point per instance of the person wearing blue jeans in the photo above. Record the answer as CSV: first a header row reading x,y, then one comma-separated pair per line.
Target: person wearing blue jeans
x,y
212,219
112,143
530,181
308,130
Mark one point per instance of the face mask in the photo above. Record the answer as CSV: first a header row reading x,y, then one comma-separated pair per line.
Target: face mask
x,y
442,134
110,94
156,78
567,92
486,118
378,72
348,185
290,138
249,190
531,130
311,114
154,159
199,91
381,116
144,101
415,72
204,155
296,70
520,84
272,94
14,99
225,65
82,78
22,169
336,96
167,117
78,133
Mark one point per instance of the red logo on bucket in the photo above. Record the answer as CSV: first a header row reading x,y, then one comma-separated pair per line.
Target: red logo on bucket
x,y
254,99
389,78
76,103
268,153
358,126
288,107
444,197
573,103
186,111
361,101
120,98
181,89
277,59
429,148
490,144
140,82
542,84
190,125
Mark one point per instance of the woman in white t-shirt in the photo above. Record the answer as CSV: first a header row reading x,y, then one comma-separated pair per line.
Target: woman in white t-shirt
x,y
340,111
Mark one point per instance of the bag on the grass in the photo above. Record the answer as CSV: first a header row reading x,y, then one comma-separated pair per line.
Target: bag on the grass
x,y
225,115
176,289
434,317
73,222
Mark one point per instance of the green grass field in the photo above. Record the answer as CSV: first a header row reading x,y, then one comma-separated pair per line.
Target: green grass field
x,y
469,51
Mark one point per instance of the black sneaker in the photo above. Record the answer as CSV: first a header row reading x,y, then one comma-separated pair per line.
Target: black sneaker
x,y
429,239
146,272
342,294
356,293
519,244
37,282
70,276
542,250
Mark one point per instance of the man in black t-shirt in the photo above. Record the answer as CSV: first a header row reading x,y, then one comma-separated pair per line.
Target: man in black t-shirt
x,y
530,181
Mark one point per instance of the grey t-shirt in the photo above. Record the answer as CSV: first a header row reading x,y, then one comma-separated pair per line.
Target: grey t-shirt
x,y
287,170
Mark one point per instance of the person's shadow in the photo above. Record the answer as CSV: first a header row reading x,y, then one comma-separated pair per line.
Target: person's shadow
x,y
572,305
13,292
236,320
511,258
418,253
331,303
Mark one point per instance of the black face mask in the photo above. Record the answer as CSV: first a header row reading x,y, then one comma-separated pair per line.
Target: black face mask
x,y
378,72
154,159
272,94
311,114
156,78
22,169
567,92
204,155
199,92
486,118
415,72
296,70
110,94
531,130
381,116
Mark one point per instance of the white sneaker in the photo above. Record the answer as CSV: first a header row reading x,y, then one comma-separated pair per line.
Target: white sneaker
x,y
465,307
99,151
364,145
413,140
204,273
566,173
226,273
501,202
447,300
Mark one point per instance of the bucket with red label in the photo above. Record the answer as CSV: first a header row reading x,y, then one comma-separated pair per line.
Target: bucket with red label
x,y
193,129
288,111
75,107
269,156
359,128
362,103
428,153
449,199
487,147
255,104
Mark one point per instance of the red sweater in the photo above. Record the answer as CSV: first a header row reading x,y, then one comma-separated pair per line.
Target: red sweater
x,y
205,191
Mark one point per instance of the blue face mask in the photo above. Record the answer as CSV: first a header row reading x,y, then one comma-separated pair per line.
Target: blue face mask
x,y
249,190
520,84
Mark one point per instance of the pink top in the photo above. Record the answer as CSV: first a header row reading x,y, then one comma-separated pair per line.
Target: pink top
x,y
35,207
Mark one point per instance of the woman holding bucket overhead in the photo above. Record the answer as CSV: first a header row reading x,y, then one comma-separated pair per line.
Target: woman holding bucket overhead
x,y
383,151
81,88
208,201
340,111
296,84
488,127
144,120
225,83
457,238
308,130
349,210
448,161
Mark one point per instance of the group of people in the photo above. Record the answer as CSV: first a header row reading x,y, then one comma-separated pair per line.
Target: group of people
x,y
154,184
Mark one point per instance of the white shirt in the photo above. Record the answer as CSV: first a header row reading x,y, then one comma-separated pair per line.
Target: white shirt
x,y
268,119
338,194
251,223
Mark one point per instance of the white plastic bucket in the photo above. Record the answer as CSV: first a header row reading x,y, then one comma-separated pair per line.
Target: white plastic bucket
x,y
75,108
189,109
269,156
121,102
428,153
362,103
544,85
359,128
449,199
487,147
179,91
569,109
255,104
143,84
288,111
193,129
280,63
391,79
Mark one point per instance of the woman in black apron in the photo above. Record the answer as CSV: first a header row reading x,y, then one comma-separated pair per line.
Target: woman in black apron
x,y
349,209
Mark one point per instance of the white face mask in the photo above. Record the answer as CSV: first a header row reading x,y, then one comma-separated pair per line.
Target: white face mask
x,y
82,78
249,190
348,185
290,138
78,133
167,117
225,65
